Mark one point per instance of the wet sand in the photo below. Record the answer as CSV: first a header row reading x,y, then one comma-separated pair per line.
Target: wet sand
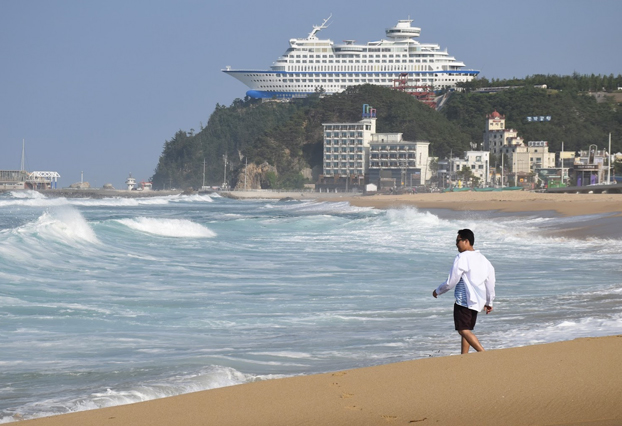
x,y
576,382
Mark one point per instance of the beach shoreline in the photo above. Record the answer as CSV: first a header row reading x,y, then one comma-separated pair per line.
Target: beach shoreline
x,y
573,382
602,212
503,201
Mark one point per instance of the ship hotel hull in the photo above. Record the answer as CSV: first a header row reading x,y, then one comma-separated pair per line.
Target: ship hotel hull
x,y
312,65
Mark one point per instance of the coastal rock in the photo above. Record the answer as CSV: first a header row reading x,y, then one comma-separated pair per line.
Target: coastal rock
x,y
256,176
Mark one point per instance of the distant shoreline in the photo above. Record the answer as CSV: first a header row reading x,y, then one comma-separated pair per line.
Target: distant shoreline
x,y
105,193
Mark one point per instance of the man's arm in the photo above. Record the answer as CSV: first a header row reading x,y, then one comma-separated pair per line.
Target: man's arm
x,y
490,288
454,277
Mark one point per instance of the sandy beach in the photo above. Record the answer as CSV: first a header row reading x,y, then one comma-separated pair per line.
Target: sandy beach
x,y
575,382
502,201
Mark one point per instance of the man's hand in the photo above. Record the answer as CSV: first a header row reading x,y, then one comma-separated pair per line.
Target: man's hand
x,y
488,309
435,295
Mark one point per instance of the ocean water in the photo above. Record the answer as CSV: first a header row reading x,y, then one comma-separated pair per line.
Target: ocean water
x,y
114,301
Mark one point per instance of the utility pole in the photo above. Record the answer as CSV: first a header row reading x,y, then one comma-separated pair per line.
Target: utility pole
x,y
224,184
609,162
561,155
502,166
245,169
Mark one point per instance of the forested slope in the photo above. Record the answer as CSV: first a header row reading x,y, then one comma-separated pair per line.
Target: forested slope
x,y
288,135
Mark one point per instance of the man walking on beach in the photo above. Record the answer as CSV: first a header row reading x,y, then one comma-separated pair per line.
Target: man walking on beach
x,y
473,277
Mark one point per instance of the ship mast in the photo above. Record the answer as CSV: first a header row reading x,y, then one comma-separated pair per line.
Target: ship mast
x,y
23,154
317,28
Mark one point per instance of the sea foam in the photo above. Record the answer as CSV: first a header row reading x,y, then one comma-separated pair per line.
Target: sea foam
x,y
62,224
180,228
210,377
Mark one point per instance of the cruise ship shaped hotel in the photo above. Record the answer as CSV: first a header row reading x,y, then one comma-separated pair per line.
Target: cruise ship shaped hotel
x,y
311,64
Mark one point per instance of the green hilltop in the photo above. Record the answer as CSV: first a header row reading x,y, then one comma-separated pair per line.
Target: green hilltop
x,y
288,135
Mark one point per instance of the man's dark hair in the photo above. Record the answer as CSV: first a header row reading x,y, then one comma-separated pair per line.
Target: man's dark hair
x,y
467,234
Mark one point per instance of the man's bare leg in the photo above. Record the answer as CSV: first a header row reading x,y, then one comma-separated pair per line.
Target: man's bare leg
x,y
465,346
471,340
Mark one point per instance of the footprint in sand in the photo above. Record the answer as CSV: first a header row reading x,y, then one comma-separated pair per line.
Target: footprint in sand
x,y
389,418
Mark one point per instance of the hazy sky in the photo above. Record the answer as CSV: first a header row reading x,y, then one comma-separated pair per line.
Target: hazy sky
x,y
99,86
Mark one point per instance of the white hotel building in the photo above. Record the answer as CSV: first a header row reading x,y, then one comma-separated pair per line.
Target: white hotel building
x,y
355,153
346,146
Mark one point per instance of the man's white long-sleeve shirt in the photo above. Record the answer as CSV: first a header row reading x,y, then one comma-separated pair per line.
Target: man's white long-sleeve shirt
x,y
479,279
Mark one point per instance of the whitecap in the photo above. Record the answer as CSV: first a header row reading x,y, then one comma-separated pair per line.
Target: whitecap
x,y
63,224
181,228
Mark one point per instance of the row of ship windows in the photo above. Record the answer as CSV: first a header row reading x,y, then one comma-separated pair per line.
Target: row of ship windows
x,y
357,80
342,74
348,80
390,75
402,55
303,86
363,61
359,68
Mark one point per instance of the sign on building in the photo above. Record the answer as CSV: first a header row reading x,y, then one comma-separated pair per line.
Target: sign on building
x,y
539,118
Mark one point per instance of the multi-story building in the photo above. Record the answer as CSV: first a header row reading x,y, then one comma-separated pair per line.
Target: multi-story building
x,y
476,161
13,179
354,154
590,167
497,137
528,159
405,163
521,159
346,147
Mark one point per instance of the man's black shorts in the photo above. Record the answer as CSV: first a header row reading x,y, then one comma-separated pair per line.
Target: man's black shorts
x,y
464,318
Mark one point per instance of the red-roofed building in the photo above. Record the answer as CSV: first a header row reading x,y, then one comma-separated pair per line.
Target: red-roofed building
x,y
497,137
